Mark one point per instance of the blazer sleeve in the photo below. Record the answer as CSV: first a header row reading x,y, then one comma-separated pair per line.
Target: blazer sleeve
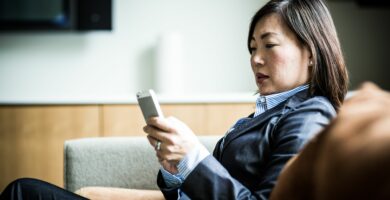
x,y
210,180
169,193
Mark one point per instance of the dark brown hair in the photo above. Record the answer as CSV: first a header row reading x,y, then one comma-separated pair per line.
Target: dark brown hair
x,y
312,23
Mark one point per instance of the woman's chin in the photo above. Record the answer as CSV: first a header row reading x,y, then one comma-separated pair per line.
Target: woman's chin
x,y
261,92
264,91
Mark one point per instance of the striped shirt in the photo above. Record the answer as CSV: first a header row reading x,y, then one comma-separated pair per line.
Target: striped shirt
x,y
189,162
266,102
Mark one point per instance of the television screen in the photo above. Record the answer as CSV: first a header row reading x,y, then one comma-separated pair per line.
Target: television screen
x,y
35,14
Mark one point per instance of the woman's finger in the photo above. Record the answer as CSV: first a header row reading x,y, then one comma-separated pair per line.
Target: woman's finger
x,y
157,134
152,141
161,123
171,157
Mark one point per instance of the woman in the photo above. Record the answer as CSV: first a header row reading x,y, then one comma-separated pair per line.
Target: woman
x,y
299,70
301,77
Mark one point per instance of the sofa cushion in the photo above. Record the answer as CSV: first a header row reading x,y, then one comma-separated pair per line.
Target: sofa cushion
x,y
126,162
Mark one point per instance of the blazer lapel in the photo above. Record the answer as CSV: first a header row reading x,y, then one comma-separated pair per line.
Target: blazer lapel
x,y
277,110
252,123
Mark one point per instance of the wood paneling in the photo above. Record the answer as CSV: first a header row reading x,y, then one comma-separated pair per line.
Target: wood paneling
x,y
203,119
221,117
127,120
193,115
122,120
32,138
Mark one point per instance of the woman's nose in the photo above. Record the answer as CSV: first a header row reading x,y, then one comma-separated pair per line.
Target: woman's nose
x,y
257,59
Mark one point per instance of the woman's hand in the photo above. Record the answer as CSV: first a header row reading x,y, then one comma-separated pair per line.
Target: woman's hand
x,y
176,138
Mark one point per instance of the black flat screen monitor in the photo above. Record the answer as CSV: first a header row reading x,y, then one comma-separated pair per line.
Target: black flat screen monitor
x,y
35,15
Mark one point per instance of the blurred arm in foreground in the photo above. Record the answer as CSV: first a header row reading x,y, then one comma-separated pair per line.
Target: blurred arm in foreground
x,y
348,160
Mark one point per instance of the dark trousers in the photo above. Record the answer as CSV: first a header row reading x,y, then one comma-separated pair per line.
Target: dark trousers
x,y
28,188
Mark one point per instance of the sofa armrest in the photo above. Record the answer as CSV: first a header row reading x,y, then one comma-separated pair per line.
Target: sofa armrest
x,y
126,162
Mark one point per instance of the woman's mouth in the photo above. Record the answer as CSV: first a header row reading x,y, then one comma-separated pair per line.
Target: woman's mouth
x,y
260,78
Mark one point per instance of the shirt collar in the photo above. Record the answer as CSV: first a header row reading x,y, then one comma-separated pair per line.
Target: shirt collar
x,y
266,102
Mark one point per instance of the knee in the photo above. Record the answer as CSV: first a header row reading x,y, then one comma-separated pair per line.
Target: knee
x,y
21,184
17,188
23,181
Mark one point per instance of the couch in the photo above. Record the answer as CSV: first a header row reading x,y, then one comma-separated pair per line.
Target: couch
x,y
125,162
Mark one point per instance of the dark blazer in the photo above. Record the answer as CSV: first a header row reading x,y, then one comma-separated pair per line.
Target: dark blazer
x,y
253,154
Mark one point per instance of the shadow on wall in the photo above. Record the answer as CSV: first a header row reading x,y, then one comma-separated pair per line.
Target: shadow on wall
x,y
145,63
364,34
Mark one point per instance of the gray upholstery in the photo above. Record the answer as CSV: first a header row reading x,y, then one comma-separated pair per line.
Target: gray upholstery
x,y
127,162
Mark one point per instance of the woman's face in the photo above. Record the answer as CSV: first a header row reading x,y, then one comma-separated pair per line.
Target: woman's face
x,y
279,61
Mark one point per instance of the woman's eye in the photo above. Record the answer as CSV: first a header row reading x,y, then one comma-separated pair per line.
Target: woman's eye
x,y
269,46
252,49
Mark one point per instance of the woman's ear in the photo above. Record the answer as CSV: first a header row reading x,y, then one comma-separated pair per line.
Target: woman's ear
x,y
311,59
310,54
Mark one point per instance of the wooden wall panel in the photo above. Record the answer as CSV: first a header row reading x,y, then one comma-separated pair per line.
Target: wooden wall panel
x,y
127,120
122,120
221,117
203,119
191,114
32,138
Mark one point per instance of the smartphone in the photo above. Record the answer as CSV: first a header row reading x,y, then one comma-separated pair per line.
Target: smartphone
x,y
149,105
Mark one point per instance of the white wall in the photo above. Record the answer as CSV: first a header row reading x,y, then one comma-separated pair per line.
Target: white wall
x,y
52,64
118,63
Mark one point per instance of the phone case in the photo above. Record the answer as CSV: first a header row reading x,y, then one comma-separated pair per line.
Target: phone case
x,y
147,100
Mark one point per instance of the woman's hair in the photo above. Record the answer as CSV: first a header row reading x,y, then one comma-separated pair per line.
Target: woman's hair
x,y
312,23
